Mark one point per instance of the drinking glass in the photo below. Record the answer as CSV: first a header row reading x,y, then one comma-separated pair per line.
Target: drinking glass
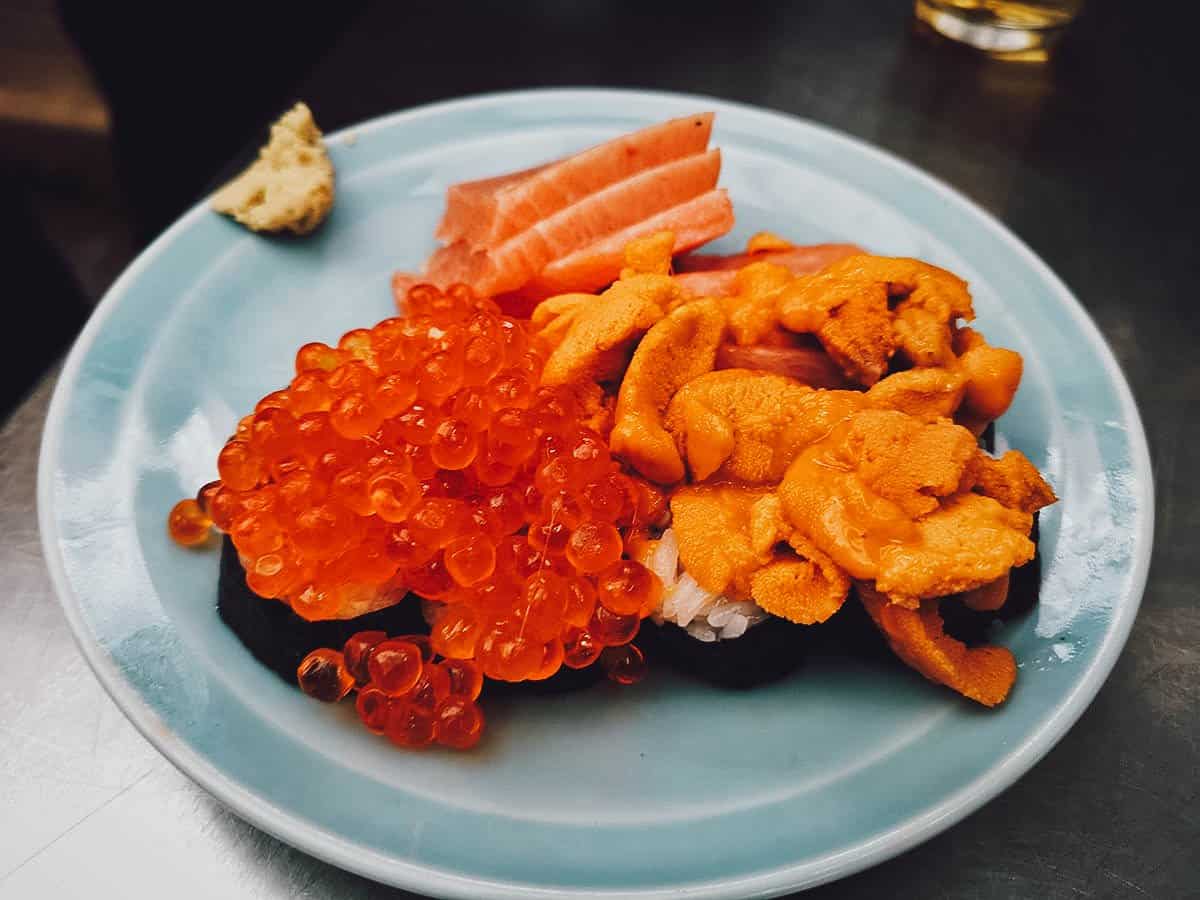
x,y
1008,29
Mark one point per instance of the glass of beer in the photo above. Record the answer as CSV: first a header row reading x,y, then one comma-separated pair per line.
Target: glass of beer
x,y
1008,29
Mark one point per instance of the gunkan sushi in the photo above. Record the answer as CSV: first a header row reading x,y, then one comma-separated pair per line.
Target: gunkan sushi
x,y
642,476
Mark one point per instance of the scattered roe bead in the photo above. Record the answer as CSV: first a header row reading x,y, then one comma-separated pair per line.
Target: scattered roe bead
x,y
272,433
482,358
463,677
393,348
437,521
609,497
544,601
239,466
349,488
255,534
323,675
317,357
431,580
309,393
272,574
581,602
470,405
556,475
393,495
627,588
624,665
204,496
402,547
420,461
417,425
454,445
351,377
565,507
530,363
458,723
372,706
552,659
507,655
503,513
262,500
491,472
422,643
431,689
439,376
514,339
242,433
594,546
651,503
394,394
394,666
470,560
275,400
612,630
223,507
314,603
588,457
188,524
353,416
510,388
519,556
281,467
511,438
358,345
321,532
408,725
357,651
552,410
456,632
580,649
549,537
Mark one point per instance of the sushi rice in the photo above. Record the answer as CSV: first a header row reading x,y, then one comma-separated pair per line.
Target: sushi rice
x,y
704,615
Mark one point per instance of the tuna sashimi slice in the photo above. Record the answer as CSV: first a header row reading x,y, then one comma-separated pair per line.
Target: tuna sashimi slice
x,y
492,210
693,223
513,263
708,275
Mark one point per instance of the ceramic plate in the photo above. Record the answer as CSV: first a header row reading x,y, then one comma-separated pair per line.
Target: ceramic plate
x,y
618,792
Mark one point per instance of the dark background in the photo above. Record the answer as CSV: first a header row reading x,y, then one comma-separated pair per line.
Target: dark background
x,y
113,121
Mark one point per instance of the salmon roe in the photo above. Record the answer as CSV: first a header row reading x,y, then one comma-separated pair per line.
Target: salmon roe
x,y
322,674
188,523
421,455
624,665
404,691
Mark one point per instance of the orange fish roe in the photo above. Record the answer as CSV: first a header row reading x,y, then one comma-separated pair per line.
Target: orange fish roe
x,y
624,665
188,523
405,693
422,456
322,674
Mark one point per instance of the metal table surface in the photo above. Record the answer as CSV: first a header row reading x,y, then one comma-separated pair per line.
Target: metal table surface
x,y
1079,157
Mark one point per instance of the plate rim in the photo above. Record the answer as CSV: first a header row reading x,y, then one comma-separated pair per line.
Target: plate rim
x,y
330,847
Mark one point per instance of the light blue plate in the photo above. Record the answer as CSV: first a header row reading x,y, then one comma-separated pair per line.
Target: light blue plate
x,y
623,792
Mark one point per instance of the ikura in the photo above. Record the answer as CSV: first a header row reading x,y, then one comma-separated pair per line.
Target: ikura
x,y
188,523
421,455
404,693
322,674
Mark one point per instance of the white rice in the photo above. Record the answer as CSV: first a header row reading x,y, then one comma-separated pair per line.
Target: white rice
x,y
706,616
